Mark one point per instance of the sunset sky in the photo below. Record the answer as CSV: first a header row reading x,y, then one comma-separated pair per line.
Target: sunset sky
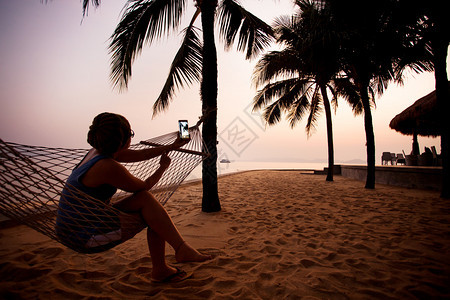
x,y
54,79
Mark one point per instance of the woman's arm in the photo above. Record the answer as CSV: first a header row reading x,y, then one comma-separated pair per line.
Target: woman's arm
x,y
155,177
109,171
128,155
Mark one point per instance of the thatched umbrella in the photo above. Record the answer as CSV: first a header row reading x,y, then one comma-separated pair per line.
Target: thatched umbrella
x,y
421,118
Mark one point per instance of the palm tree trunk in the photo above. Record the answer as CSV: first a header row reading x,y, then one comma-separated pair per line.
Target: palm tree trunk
x,y
326,104
208,90
443,104
370,138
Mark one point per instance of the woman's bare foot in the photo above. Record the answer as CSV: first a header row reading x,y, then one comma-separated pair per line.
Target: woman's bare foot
x,y
185,253
160,274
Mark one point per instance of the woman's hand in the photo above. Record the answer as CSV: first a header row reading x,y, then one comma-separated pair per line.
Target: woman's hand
x,y
164,163
165,160
179,142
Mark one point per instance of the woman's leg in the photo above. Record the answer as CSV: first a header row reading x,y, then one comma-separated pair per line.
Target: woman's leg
x,y
157,247
157,218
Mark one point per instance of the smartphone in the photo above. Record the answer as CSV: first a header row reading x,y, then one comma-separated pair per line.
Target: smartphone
x,y
183,129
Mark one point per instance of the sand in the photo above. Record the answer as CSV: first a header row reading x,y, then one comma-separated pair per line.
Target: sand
x,y
280,235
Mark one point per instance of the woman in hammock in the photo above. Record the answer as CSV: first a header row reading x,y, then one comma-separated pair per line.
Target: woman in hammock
x,y
100,174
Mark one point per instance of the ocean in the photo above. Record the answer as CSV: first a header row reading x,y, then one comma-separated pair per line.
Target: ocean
x,y
238,166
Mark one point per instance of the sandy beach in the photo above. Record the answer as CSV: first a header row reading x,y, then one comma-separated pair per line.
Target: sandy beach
x,y
280,235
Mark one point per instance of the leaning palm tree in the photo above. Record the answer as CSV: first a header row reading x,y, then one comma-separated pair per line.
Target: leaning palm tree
x,y
145,21
298,78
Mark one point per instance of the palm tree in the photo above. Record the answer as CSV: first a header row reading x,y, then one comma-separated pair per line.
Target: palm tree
x,y
360,70
306,69
439,39
145,21
373,47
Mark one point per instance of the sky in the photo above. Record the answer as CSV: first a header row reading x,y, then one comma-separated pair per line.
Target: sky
x,y
54,79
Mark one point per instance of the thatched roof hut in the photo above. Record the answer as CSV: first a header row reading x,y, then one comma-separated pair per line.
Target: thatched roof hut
x,y
420,118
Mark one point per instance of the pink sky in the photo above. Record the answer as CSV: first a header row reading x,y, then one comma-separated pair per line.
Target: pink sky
x,y
54,79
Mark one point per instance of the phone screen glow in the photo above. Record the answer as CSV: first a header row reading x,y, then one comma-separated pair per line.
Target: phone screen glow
x,y
184,129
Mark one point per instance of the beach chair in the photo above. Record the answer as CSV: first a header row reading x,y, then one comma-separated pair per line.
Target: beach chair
x,y
411,159
400,159
386,158
436,157
393,159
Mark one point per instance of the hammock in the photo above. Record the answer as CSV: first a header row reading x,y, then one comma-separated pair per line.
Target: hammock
x,y
32,179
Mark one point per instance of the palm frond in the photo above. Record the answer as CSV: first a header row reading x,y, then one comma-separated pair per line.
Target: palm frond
x,y
142,21
275,64
315,110
298,89
286,90
286,30
299,103
253,33
96,3
334,95
291,96
272,113
346,89
372,102
416,57
186,68
297,110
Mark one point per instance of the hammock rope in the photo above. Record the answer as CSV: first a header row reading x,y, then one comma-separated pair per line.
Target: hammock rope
x,y
32,179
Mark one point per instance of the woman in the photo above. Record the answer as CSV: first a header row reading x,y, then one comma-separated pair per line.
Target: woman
x,y
99,175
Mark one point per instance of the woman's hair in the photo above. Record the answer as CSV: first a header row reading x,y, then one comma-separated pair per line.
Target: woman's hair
x,y
108,133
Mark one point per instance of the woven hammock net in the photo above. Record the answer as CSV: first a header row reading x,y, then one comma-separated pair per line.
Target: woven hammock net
x,y
33,177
